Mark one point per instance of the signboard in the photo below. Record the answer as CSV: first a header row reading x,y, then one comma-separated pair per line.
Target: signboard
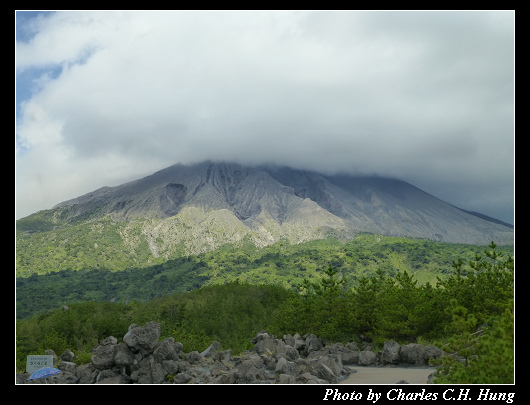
x,y
33,363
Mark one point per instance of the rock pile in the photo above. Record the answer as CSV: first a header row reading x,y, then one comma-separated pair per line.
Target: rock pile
x,y
140,358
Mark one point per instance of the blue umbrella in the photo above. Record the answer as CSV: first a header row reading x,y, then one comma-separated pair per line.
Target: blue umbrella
x,y
44,372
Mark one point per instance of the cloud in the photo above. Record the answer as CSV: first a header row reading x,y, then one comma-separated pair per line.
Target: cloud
x,y
425,96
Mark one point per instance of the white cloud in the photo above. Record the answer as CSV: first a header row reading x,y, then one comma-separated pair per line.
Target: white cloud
x,y
420,95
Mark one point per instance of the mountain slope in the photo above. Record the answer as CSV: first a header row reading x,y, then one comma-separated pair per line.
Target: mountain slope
x,y
197,208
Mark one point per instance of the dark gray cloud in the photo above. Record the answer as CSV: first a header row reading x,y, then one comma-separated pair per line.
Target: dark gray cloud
x,y
424,96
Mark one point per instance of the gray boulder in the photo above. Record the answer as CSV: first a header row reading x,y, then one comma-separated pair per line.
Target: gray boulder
x,y
109,341
157,373
350,357
289,340
325,373
87,374
283,366
201,375
50,352
254,358
297,342
432,352
264,343
123,355
143,339
353,346
68,366
225,378
332,361
269,361
260,335
103,357
390,352
248,373
224,356
211,350
413,353
147,371
167,349
367,358
279,348
68,355
183,378
308,378
170,366
193,357
313,344
290,353
111,377
286,379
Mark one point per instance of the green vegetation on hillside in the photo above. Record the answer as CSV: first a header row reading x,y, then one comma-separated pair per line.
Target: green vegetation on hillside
x,y
282,263
60,239
101,244
468,313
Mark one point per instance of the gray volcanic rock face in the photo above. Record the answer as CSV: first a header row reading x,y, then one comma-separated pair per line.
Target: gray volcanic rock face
x,y
269,202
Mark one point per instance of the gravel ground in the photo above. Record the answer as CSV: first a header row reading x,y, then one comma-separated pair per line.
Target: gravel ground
x,y
388,375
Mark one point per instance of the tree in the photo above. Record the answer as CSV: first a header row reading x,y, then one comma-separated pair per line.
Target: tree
x,y
481,310
483,356
331,306
364,302
319,308
396,312
485,289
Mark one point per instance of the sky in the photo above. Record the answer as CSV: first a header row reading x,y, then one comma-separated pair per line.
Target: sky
x,y
105,97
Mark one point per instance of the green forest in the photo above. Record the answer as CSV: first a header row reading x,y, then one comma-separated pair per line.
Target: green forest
x,y
281,264
467,309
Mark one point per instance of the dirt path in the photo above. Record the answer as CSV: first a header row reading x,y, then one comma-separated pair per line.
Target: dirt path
x,y
388,375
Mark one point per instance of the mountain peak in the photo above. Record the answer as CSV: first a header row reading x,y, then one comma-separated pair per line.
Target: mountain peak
x,y
266,203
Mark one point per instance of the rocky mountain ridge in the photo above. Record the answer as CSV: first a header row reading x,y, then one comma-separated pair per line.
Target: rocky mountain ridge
x,y
189,209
